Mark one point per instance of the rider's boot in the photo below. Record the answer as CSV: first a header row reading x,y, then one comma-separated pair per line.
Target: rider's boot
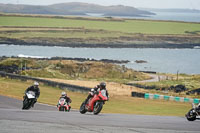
x,y
34,103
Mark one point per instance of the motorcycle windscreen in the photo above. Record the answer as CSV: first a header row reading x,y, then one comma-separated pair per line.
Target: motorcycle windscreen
x,y
62,101
103,93
30,94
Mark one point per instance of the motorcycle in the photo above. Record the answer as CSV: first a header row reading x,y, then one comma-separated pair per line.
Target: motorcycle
x,y
29,100
94,104
63,105
193,113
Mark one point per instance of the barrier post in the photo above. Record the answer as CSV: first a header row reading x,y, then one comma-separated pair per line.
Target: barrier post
x,y
196,101
181,99
146,95
156,96
151,96
177,99
161,97
166,97
171,98
186,100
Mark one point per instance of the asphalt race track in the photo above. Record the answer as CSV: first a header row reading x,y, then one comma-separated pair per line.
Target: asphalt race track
x,y
46,119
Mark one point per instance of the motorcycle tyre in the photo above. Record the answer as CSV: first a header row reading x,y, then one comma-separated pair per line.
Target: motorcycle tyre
x,y
189,118
82,108
61,108
97,108
27,104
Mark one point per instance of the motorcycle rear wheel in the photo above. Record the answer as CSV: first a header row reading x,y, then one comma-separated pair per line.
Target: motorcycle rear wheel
x,y
82,108
97,108
191,116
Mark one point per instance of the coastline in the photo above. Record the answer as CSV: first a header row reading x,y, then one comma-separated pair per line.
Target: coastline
x,y
77,43
69,58
162,60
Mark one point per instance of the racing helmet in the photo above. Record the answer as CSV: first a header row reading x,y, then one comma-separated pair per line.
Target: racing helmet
x,y
102,85
36,83
63,93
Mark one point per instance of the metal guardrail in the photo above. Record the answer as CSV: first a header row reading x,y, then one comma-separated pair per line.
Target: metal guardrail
x,y
46,82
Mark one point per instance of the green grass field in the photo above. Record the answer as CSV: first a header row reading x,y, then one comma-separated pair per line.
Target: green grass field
x,y
127,26
97,32
116,104
60,34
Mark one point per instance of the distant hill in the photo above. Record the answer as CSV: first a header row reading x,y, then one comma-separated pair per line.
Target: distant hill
x,y
171,10
74,8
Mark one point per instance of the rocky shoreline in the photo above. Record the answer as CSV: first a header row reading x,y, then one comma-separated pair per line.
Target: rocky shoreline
x,y
75,45
172,42
75,59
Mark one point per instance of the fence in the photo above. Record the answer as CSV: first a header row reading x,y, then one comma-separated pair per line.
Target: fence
x,y
46,82
164,97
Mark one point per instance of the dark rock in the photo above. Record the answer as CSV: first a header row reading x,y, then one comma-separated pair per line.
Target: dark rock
x,y
9,69
178,88
141,61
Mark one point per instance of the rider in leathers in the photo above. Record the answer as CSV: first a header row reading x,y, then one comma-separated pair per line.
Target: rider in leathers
x,y
101,86
35,88
64,95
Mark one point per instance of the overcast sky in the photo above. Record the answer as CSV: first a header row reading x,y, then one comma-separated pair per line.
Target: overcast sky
x,y
191,4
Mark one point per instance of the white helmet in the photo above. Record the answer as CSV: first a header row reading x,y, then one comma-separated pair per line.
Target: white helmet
x,y
63,93
36,83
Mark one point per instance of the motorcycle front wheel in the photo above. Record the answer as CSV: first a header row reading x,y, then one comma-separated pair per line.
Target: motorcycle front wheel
x,y
82,108
27,104
191,116
97,108
62,108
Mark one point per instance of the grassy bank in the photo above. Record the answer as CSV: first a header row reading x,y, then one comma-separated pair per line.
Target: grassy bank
x,y
116,104
69,69
89,32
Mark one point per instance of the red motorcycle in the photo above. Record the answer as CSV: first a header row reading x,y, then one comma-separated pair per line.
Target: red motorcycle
x,y
94,104
63,105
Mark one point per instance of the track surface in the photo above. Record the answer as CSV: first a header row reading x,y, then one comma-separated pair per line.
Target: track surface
x,y
43,118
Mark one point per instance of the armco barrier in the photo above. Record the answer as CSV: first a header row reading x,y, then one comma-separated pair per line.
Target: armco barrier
x,y
46,82
164,97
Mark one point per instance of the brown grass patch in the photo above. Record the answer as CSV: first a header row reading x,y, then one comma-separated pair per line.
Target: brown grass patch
x,y
113,88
